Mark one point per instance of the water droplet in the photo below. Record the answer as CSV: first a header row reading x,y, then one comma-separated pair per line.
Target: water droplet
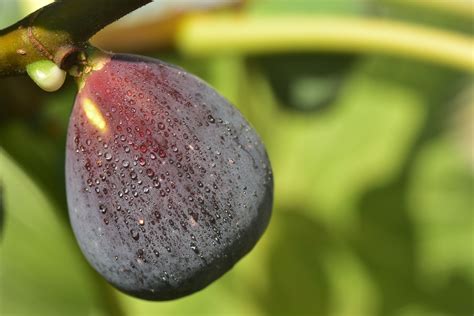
x,y
150,173
211,119
135,234
157,215
141,222
194,248
108,156
125,163
102,209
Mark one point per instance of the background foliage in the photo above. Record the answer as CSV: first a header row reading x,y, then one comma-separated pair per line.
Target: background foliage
x,y
373,164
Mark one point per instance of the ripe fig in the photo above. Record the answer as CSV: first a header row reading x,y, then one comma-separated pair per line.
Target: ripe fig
x,y
168,186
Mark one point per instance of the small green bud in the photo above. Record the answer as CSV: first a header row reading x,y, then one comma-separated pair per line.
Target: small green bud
x,y
46,74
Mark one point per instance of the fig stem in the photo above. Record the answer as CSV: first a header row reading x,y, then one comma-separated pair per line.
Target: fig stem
x,y
57,29
88,60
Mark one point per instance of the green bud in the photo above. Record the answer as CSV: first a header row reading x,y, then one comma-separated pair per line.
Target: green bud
x,y
46,74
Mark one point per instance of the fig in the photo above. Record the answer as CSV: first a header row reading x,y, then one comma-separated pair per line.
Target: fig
x,y
168,186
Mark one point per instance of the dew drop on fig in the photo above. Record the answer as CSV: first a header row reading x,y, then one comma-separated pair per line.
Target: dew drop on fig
x,y
135,234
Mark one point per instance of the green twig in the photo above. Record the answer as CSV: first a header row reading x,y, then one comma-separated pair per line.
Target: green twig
x,y
206,35
57,30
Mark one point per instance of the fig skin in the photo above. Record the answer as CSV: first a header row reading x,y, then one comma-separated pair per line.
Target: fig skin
x,y
168,186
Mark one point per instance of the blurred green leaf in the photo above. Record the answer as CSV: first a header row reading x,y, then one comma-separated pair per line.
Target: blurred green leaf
x,y
42,271
2,210
297,282
9,13
442,205
38,142
306,82
442,194
454,14
330,159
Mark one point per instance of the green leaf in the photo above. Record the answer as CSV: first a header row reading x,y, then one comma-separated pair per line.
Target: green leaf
x,y
442,205
42,270
306,82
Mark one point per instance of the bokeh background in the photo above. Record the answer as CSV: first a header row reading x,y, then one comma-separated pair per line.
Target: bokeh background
x,y
372,151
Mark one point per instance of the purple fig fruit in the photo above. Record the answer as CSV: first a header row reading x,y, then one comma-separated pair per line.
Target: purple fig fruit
x,y
168,186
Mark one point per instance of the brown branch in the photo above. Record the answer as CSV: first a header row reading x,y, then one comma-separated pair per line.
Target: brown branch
x,y
55,30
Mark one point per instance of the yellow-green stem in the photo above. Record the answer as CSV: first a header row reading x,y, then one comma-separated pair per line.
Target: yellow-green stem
x,y
208,35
